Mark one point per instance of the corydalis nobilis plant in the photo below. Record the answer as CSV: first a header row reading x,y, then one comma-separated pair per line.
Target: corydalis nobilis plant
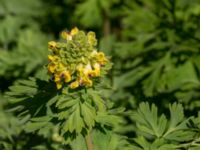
x,y
75,61
77,69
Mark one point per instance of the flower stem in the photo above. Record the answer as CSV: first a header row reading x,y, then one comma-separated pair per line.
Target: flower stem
x,y
88,141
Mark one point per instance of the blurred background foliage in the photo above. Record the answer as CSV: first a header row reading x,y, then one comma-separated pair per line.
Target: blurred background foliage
x,y
155,49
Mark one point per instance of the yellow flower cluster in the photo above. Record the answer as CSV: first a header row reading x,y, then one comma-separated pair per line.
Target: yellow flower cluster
x,y
75,62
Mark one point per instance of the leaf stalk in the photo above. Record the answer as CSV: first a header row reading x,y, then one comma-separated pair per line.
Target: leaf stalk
x,y
88,141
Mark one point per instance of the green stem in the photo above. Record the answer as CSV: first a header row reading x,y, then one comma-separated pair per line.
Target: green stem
x,y
187,145
88,141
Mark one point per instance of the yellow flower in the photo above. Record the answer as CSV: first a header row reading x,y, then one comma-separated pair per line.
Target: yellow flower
x,y
52,44
91,38
84,70
92,73
51,67
86,82
96,70
74,85
68,36
100,56
59,85
66,75
53,58
93,54
87,69
74,31
64,34
57,78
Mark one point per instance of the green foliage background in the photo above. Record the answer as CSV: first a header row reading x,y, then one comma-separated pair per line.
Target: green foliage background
x,y
155,49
